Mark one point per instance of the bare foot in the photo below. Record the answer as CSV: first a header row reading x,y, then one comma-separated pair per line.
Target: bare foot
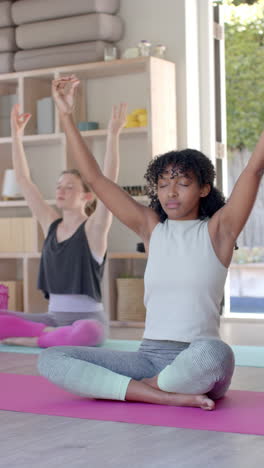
x,y
197,401
21,341
182,399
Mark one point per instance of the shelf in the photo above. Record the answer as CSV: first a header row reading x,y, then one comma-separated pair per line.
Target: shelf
x,y
111,68
86,134
19,255
43,139
118,323
103,132
10,80
41,73
19,203
127,255
58,137
5,140
40,139
30,255
88,70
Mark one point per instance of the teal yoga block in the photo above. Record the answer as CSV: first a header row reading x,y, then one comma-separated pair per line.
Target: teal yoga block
x,y
84,126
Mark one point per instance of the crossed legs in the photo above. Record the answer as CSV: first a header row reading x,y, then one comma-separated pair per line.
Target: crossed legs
x,y
196,376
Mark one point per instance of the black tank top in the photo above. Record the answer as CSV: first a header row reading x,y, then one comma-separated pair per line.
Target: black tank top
x,y
68,267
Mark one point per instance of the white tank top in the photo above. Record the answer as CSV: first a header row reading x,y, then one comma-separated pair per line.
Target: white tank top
x,y
184,282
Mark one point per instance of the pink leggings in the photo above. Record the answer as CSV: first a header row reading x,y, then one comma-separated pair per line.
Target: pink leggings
x,y
80,333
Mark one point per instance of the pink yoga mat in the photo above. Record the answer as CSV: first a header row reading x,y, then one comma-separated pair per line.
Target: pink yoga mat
x,y
239,412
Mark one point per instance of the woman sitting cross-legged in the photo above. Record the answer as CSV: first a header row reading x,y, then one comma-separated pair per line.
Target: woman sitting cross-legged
x,y
73,254
190,234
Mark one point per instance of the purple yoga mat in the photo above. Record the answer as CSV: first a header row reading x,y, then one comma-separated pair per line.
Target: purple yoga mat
x,y
239,412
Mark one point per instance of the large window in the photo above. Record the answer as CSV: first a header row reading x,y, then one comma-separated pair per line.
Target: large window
x,y
244,69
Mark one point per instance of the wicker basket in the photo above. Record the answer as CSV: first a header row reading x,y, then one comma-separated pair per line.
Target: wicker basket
x,y
130,294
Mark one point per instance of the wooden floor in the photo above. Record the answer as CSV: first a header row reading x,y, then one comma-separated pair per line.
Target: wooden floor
x,y
28,440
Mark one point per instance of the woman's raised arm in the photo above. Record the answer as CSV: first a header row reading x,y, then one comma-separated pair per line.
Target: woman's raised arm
x,y
227,223
44,213
98,227
134,215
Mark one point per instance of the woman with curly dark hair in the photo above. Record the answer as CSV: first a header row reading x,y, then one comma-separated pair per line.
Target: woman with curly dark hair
x,y
190,234
188,161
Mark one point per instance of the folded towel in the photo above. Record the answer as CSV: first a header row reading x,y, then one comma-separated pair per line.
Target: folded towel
x,y
30,11
6,62
5,13
70,54
92,27
7,39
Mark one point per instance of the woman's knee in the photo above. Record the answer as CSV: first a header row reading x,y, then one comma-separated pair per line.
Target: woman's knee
x,y
214,355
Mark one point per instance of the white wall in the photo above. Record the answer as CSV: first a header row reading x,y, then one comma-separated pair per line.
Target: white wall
x,y
172,23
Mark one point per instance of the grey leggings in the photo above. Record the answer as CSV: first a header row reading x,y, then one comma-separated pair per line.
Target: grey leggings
x,y
204,366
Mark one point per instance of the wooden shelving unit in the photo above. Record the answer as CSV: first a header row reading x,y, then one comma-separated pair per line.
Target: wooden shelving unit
x,y
48,154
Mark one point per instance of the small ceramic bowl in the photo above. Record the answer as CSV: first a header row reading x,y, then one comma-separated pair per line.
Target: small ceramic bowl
x,y
84,126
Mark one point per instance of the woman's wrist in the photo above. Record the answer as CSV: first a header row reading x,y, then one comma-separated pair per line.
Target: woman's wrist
x,y
113,133
65,116
16,135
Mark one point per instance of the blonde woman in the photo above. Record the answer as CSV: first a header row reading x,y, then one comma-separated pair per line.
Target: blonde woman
x,y
73,254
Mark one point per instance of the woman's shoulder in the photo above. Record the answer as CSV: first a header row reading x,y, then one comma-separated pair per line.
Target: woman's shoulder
x,y
52,227
54,224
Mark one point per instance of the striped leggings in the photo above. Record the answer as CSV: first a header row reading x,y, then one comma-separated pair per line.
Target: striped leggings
x,y
204,366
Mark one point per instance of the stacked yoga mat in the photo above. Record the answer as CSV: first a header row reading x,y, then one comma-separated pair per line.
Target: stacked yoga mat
x,y
7,37
53,32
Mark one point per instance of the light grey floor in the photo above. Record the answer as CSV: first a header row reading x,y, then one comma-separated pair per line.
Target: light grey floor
x,y
28,440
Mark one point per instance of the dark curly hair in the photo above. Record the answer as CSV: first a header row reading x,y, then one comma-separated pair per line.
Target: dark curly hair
x,y
187,161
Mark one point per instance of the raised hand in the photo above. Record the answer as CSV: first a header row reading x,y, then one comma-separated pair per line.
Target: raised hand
x,y
63,92
118,118
18,121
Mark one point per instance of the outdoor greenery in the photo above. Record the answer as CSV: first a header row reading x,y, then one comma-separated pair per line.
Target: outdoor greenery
x,y
248,255
239,2
244,39
244,55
